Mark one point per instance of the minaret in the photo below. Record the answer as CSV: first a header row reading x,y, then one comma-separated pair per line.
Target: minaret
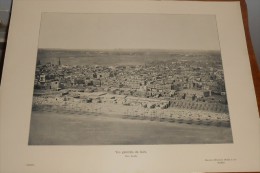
x,y
1,23
59,62
38,62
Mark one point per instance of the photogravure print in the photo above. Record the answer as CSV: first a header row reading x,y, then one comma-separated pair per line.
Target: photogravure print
x,y
129,79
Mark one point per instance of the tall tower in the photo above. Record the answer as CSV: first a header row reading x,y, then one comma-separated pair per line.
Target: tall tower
x,y
38,62
59,62
1,23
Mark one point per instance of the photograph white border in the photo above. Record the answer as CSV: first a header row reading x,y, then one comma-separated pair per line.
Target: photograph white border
x,y
17,91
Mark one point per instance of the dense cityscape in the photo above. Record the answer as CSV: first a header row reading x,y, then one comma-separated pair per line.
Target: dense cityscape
x,y
129,93
188,78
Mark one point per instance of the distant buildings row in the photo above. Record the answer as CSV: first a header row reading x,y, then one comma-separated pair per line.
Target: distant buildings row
x,y
178,80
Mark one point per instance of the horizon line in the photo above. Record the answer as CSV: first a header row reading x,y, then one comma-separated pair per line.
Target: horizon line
x,y
124,49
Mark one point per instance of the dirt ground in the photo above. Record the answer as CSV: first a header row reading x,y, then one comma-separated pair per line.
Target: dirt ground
x,y
50,128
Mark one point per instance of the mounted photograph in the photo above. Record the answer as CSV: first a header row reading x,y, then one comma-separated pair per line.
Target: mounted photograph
x,y
129,79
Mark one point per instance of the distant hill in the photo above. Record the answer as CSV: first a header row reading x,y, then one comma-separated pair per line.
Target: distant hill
x,y
120,56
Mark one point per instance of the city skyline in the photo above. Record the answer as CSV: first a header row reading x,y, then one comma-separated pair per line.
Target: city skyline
x,y
181,90
115,57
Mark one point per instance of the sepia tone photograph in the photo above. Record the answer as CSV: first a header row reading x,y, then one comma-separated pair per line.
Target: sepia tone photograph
x,y
129,79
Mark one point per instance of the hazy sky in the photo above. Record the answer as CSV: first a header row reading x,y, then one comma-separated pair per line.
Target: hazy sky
x,y
5,5
4,17
128,31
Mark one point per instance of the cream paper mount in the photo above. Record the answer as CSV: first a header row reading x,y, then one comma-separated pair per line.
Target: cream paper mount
x,y
127,87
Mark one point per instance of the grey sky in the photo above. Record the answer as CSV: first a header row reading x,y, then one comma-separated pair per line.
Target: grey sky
x,y
4,16
128,31
5,5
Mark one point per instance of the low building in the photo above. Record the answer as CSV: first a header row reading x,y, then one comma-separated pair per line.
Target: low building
x,y
55,85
